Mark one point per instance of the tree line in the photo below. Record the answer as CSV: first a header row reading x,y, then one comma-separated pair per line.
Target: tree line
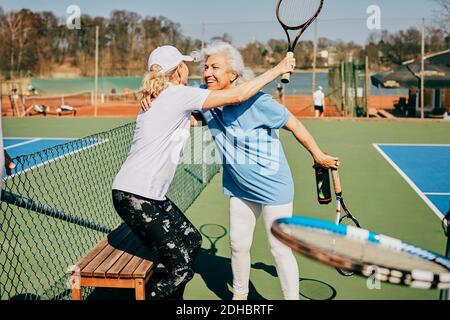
x,y
33,43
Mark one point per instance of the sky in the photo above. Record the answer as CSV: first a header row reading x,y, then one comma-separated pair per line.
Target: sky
x,y
250,20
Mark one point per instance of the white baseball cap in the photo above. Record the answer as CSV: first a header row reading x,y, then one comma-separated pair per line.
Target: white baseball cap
x,y
168,57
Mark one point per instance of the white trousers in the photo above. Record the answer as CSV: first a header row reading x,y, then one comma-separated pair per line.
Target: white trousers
x,y
243,216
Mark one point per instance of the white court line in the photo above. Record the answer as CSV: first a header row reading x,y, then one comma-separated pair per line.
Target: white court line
x,y
27,138
21,144
413,145
55,159
409,181
437,193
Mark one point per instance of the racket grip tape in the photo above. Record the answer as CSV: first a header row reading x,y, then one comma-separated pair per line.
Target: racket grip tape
x,y
336,181
323,184
286,78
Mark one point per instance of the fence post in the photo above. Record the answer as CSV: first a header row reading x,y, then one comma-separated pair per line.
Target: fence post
x,y
367,102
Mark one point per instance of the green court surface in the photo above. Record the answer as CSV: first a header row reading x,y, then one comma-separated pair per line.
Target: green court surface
x,y
374,192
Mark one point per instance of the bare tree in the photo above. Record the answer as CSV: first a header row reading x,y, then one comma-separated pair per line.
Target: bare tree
x,y
443,13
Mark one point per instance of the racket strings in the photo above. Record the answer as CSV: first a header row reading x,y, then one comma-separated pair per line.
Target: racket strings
x,y
348,221
295,13
362,251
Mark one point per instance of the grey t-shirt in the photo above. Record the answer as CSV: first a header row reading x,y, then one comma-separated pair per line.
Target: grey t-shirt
x,y
159,139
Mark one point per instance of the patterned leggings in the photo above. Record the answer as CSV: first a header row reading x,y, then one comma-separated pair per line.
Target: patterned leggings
x,y
167,233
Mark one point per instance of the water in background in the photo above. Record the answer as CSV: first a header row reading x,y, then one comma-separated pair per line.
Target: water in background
x,y
301,84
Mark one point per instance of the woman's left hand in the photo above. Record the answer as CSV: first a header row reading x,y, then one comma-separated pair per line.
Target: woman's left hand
x,y
146,103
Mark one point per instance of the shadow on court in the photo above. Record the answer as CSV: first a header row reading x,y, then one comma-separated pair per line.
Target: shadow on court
x,y
216,270
312,289
216,273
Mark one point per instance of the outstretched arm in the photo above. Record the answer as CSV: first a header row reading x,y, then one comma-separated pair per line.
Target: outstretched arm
x,y
248,89
306,139
220,98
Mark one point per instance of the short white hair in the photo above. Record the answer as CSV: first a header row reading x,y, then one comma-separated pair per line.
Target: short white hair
x,y
235,60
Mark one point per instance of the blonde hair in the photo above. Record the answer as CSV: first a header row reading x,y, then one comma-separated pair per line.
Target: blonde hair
x,y
155,81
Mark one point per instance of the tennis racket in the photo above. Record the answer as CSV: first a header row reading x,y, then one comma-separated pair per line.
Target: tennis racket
x,y
348,218
363,252
297,16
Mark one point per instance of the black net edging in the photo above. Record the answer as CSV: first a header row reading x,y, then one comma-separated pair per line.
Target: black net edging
x,y
57,205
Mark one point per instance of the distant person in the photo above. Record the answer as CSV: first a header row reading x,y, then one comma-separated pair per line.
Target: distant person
x,y
447,115
412,102
31,90
14,98
280,91
14,94
319,103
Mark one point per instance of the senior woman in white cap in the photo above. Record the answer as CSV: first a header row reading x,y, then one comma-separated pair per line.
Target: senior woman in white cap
x,y
139,189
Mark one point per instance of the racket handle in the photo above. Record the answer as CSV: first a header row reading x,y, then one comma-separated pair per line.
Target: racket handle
x,y
338,216
336,181
286,78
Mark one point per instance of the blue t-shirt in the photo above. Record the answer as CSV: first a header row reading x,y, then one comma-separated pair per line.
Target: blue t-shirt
x,y
254,163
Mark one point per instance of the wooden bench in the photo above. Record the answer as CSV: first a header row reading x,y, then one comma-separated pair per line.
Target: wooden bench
x,y
373,113
380,113
118,261
64,109
385,114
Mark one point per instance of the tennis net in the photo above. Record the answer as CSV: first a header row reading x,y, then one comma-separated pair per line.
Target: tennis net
x,y
57,205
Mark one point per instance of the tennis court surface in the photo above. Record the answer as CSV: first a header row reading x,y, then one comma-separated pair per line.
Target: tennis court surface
x,y
36,250
426,169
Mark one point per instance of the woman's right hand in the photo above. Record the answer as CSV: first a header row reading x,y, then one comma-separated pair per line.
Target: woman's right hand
x,y
285,66
327,161
146,103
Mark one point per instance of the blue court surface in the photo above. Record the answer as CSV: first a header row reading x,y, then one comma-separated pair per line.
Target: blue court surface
x,y
24,146
426,168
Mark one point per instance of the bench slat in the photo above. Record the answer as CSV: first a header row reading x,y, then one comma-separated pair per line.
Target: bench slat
x,y
115,255
128,271
98,248
94,264
144,269
385,114
115,270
